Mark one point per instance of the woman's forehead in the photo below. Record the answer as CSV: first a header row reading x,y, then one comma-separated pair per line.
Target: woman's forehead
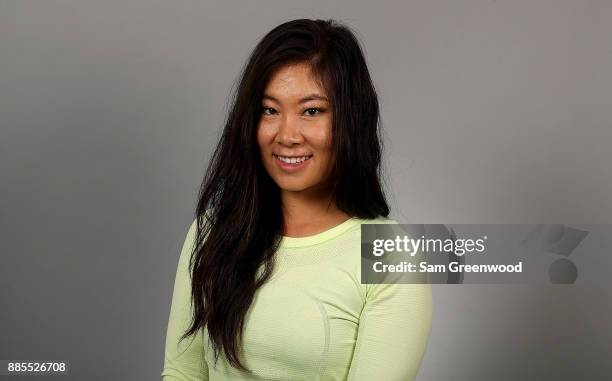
x,y
294,82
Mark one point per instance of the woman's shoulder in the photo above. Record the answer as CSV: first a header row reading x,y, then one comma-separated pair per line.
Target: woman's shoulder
x,y
380,220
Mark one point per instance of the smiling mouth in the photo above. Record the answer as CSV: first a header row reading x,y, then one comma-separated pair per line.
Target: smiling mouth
x,y
292,159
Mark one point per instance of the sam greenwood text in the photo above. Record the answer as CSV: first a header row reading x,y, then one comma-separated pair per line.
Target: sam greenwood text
x,y
452,267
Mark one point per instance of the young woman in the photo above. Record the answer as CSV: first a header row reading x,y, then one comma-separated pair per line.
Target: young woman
x,y
268,281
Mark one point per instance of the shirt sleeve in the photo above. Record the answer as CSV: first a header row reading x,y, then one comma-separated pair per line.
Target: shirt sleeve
x,y
393,332
183,361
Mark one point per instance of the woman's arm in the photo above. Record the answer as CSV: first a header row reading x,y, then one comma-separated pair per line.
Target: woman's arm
x,y
184,361
393,332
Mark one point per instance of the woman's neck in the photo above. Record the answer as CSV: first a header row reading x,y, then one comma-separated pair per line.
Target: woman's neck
x,y
309,213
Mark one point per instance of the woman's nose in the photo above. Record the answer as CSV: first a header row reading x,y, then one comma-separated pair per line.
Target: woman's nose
x,y
289,131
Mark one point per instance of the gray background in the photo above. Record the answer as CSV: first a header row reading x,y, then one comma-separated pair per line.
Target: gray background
x,y
493,111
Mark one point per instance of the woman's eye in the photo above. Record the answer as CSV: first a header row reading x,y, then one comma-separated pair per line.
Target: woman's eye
x,y
313,111
268,110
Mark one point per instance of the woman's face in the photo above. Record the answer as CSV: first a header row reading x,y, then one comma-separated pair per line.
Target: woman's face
x,y
295,130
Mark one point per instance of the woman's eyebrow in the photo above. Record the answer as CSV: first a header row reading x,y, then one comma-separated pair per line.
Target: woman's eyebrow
x,y
313,97
309,97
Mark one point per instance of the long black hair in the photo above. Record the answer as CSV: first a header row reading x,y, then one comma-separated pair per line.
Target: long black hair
x,y
239,213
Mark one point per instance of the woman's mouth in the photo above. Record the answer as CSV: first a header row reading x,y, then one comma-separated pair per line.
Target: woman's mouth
x,y
291,162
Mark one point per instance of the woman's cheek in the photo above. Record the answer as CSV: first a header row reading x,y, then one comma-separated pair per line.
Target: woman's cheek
x,y
266,132
321,137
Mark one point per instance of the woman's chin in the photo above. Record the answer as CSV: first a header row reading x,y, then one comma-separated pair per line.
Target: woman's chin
x,y
293,186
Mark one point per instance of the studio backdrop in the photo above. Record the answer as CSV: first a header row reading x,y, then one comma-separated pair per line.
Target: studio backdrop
x,y
493,112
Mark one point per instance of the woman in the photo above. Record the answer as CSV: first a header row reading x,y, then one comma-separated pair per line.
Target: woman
x,y
268,281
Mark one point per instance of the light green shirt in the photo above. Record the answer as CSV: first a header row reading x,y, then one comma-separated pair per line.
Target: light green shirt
x,y
313,320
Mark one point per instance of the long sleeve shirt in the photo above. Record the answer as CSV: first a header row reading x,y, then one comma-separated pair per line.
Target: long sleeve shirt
x,y
312,320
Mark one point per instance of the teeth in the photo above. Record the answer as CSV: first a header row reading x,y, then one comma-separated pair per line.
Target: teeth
x,y
293,160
